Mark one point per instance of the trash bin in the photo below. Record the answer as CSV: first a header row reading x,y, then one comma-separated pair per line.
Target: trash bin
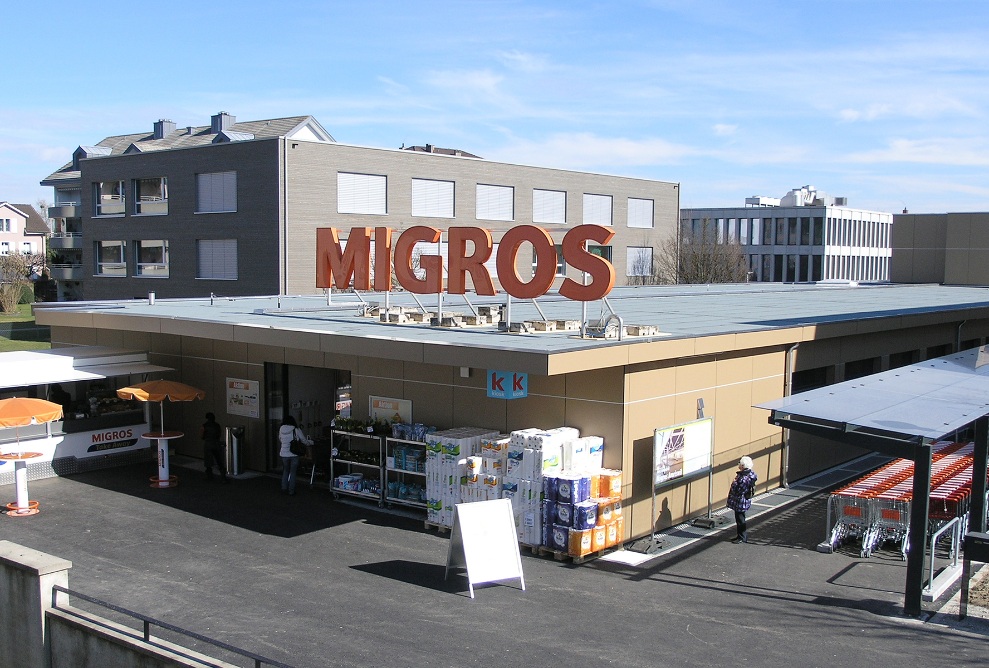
x,y
235,440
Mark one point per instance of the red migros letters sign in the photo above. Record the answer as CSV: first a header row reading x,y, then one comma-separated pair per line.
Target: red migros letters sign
x,y
336,267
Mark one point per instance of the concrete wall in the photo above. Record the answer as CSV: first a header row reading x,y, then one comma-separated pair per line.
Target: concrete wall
x,y
950,248
33,634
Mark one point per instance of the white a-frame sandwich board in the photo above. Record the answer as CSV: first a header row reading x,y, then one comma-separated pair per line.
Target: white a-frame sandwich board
x,y
484,541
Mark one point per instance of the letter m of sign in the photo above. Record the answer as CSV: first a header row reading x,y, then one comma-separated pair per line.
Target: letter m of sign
x,y
336,267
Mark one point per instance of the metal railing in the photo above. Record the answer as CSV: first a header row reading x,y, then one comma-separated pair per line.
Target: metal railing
x,y
259,660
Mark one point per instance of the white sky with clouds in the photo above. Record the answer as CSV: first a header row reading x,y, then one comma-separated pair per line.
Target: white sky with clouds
x,y
884,102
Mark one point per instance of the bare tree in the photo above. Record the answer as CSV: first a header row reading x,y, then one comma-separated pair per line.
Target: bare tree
x,y
42,206
15,268
703,258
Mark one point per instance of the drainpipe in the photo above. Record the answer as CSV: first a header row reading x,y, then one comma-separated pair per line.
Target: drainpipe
x,y
787,391
958,336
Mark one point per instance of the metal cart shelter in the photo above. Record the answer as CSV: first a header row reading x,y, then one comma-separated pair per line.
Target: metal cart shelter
x,y
900,413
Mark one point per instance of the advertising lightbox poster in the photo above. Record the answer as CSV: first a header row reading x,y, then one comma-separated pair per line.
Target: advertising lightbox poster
x,y
391,410
242,397
682,450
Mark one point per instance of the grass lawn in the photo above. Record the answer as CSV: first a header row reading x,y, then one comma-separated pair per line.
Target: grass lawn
x,y
23,314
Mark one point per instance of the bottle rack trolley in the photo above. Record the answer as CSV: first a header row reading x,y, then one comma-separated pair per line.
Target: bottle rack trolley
x,y
404,473
356,465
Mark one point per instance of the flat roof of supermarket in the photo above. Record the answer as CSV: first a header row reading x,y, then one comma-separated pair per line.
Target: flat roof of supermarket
x,y
677,312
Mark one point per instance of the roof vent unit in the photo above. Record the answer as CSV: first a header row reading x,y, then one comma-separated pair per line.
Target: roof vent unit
x,y
163,128
221,121
841,201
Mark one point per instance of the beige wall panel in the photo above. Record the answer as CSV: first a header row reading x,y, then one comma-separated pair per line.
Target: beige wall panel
x,y
476,358
958,231
696,374
685,405
231,351
537,411
167,344
129,323
477,379
431,404
138,341
365,387
555,386
259,354
472,408
400,351
708,345
644,417
111,338
62,318
594,418
380,368
763,391
649,383
733,368
901,265
733,420
772,337
829,330
202,348
602,385
660,350
814,354
304,357
584,360
343,362
430,373
810,455
205,330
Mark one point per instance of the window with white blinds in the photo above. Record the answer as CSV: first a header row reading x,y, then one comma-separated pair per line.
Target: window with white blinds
x,y
432,199
640,212
216,192
495,202
362,193
638,261
597,209
216,258
549,206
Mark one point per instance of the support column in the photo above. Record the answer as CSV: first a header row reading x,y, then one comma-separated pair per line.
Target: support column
x,y
917,545
977,513
26,580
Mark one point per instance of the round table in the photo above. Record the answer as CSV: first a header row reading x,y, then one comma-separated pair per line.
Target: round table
x,y
23,507
162,438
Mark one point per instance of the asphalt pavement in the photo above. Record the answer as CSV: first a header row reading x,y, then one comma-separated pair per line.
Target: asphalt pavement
x,y
313,581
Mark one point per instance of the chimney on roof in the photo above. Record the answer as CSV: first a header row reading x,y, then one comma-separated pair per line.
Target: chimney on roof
x,y
188,129
221,121
163,128
429,148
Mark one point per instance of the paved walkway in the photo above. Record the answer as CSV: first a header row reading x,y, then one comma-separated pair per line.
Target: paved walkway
x,y
315,582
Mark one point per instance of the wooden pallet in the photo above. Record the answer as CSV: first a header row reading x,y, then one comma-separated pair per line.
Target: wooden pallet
x,y
439,527
566,556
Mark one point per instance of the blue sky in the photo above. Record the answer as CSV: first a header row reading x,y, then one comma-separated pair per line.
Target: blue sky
x,y
883,102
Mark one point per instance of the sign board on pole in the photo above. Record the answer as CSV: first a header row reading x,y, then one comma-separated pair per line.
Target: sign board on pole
x,y
483,540
682,449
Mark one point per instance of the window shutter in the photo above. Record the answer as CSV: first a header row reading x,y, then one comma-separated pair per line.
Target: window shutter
x,y
432,199
640,212
597,209
549,206
495,202
361,193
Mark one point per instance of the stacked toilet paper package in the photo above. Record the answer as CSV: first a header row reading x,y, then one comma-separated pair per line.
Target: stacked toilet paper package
x,y
562,497
447,456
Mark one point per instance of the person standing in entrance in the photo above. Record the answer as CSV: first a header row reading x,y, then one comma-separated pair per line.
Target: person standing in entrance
x,y
290,462
740,497
213,450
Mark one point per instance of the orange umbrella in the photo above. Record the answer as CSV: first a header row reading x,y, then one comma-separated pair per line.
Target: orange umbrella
x,y
22,411
161,391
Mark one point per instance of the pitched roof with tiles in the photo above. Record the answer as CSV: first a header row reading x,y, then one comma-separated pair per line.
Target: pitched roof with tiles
x,y
34,223
187,137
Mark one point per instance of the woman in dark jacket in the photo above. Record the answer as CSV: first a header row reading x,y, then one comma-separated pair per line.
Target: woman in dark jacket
x,y
740,496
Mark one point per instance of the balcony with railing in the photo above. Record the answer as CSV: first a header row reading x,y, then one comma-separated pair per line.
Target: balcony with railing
x,y
65,240
65,210
67,272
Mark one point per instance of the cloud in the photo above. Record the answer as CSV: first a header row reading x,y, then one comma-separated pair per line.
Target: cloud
x,y
522,62
588,151
724,130
961,152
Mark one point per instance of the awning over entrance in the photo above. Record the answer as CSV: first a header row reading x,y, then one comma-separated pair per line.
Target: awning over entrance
x,y
63,365
900,413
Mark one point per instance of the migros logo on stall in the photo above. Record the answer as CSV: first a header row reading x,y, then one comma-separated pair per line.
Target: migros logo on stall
x,y
335,267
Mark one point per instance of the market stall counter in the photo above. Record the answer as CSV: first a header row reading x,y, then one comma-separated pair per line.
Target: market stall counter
x,y
98,428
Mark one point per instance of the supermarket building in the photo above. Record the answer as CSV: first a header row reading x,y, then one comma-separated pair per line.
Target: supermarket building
x,y
725,348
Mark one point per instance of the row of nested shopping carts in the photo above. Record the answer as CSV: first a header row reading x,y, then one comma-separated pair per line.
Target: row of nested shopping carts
x,y
876,508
